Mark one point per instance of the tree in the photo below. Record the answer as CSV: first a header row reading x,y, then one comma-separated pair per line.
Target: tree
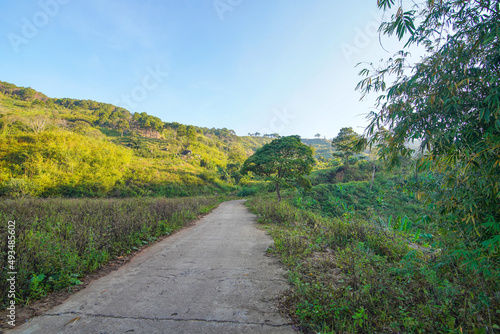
x,y
191,132
136,116
345,144
147,124
317,135
27,93
157,124
93,104
182,130
236,154
83,104
50,104
122,125
450,103
233,170
283,161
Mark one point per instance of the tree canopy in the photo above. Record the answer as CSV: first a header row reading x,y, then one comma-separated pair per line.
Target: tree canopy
x,y
27,93
283,161
449,102
345,144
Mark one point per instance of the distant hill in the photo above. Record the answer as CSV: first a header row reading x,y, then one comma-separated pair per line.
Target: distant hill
x,y
69,147
323,147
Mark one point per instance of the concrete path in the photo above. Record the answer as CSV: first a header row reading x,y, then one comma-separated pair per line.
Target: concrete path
x,y
213,277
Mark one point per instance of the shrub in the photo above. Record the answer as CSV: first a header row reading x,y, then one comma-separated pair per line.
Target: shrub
x,y
245,192
349,276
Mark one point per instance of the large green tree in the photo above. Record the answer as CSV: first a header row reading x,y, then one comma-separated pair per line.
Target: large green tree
x,y
283,161
449,101
346,144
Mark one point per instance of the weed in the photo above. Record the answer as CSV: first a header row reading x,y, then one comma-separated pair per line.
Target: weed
x,y
350,276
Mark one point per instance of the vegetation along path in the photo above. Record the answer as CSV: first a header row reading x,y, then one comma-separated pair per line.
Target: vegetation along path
x,y
214,277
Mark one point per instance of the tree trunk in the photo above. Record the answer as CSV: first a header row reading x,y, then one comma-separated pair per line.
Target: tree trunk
x,y
278,191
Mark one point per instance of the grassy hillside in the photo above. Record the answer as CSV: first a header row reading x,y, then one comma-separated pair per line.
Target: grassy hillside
x,y
323,147
48,145
376,258
66,147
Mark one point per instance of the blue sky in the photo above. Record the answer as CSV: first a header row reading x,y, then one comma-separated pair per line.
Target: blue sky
x,y
285,66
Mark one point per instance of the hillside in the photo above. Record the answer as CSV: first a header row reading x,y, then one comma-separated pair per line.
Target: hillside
x,y
322,147
69,147
49,145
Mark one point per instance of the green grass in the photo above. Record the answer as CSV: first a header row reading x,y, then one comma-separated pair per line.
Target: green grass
x,y
59,241
351,276
322,147
73,148
52,147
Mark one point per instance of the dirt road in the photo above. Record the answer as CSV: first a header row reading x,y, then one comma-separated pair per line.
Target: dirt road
x,y
213,277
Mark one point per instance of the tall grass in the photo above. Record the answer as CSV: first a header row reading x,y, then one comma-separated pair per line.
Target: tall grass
x,y
350,276
61,240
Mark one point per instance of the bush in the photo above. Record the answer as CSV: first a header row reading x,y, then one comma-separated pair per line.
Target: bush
x,y
16,188
245,192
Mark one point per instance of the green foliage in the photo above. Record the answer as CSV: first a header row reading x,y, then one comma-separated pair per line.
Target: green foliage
x,y
350,276
122,125
345,144
191,132
47,144
60,163
246,191
450,104
16,188
322,147
284,161
61,240
361,171
182,130
27,93
149,123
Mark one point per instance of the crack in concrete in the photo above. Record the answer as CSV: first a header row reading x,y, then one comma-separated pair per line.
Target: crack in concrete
x,y
252,279
219,279
164,319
